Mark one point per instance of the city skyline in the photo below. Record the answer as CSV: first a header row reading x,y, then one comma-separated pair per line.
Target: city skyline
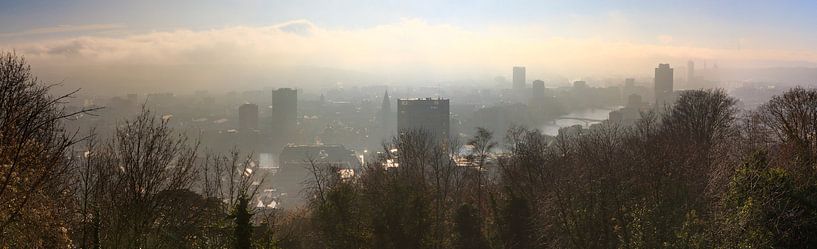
x,y
254,44
421,124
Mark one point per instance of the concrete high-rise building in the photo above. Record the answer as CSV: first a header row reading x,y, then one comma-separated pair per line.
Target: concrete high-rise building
x,y
519,77
284,111
537,101
427,114
248,117
538,94
663,86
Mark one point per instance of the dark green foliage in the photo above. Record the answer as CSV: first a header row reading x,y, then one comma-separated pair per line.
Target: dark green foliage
x,y
338,218
695,232
764,208
468,227
402,217
243,229
516,223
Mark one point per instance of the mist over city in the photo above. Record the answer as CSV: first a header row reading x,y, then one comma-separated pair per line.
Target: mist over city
x,y
408,124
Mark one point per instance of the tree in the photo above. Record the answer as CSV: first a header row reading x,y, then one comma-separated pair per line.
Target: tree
x,y
482,145
34,159
695,139
230,180
698,131
764,208
468,227
703,117
524,175
339,218
141,164
87,190
243,228
792,120
515,220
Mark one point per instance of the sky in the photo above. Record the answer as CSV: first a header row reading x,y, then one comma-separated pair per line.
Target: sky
x,y
206,44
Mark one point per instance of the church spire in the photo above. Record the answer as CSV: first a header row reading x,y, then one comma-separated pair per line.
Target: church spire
x,y
386,106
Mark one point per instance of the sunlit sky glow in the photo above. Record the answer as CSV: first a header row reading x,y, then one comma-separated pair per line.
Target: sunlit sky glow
x,y
141,45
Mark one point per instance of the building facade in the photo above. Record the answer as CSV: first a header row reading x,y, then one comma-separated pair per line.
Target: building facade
x,y
431,115
663,86
519,77
248,117
284,112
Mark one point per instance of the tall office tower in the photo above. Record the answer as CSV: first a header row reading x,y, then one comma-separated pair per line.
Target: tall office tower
x,y
518,77
538,94
284,112
248,117
431,115
663,86
386,116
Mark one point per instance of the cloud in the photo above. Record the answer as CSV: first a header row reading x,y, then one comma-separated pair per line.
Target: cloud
x,y
300,27
408,51
64,29
665,39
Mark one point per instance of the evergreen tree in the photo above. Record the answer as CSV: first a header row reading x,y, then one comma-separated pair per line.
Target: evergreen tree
x,y
516,223
243,228
468,226
764,208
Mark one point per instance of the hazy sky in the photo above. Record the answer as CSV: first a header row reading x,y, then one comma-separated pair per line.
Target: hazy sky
x,y
145,45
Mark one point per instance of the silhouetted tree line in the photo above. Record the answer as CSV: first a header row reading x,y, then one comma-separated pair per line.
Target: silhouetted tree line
x,y
698,174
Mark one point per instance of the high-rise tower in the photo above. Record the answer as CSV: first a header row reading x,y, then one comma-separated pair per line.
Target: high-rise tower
x,y
663,86
247,117
284,112
538,94
518,77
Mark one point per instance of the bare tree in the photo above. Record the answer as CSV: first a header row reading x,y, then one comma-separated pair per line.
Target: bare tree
x,y
703,117
34,158
482,145
225,177
87,189
792,120
232,181
147,167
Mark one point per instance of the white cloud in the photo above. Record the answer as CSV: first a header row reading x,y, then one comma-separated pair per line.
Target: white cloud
x,y
64,29
407,51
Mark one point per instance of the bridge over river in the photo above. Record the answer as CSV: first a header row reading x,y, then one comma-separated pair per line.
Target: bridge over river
x,y
585,118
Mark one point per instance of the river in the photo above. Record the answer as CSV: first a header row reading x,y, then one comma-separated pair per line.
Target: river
x,y
596,113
